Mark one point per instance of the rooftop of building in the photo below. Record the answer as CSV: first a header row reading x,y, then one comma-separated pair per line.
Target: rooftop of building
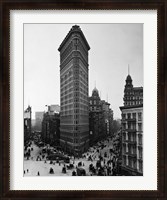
x,y
74,29
128,78
95,91
105,102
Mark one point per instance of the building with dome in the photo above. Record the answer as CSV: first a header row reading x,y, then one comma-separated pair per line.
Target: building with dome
x,y
74,106
132,129
100,118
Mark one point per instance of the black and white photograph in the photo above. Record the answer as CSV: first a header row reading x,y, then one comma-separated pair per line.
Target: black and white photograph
x,y
83,99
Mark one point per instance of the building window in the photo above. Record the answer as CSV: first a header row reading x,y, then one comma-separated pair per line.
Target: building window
x,y
124,136
140,166
134,137
140,153
90,102
139,127
123,116
134,150
124,126
134,126
124,149
124,160
140,116
130,162
129,115
134,115
140,139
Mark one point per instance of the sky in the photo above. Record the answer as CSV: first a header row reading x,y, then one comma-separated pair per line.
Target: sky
x,y
113,48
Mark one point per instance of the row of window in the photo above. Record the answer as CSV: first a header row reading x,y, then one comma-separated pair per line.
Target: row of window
x,y
133,98
82,46
130,162
65,101
76,84
71,112
133,103
131,126
68,48
66,97
73,91
131,137
70,84
82,49
94,108
71,75
74,118
93,102
132,115
129,149
137,94
84,80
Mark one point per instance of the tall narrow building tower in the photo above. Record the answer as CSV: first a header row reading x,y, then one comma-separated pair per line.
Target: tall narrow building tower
x,y
132,130
74,113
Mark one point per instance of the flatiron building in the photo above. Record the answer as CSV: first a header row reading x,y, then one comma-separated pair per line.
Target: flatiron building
x,y
74,111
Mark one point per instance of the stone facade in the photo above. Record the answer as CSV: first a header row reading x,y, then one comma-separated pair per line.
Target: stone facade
x,y
74,108
132,129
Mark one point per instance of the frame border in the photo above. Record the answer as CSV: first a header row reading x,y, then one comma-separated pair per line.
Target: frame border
x,y
5,7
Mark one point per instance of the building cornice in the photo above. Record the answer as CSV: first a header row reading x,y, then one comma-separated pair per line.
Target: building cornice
x,y
129,107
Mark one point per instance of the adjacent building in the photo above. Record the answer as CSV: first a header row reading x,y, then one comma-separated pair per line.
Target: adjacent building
x,y
96,120
55,108
27,123
51,127
38,120
74,108
132,129
100,118
108,117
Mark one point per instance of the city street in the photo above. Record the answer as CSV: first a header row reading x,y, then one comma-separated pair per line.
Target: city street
x,y
38,165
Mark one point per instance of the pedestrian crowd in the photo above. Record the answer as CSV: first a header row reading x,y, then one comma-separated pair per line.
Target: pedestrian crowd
x,y
104,161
